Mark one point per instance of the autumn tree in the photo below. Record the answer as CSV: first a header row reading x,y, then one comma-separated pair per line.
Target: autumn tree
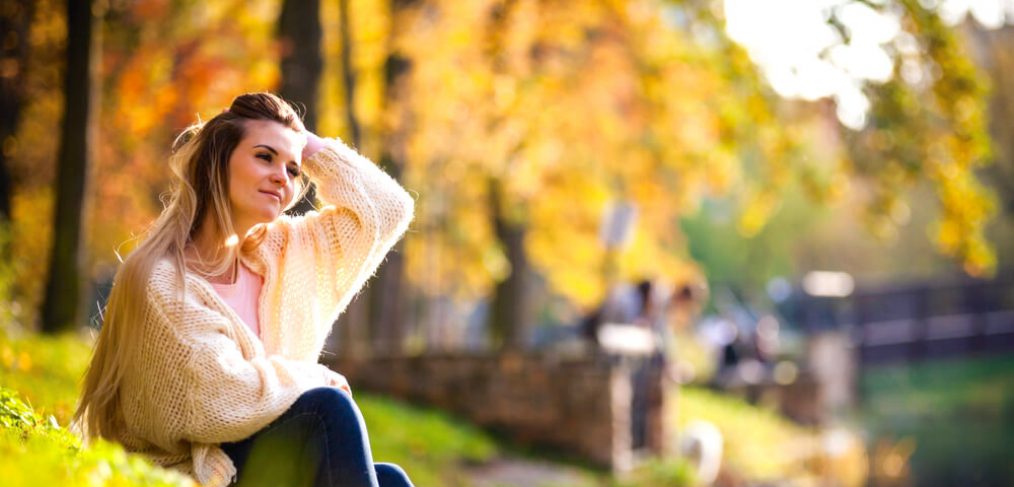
x,y
300,36
520,122
935,130
349,74
510,311
387,293
353,324
569,107
560,110
61,307
15,19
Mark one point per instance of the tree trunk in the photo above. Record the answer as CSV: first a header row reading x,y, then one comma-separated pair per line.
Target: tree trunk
x,y
352,327
510,316
63,289
387,296
349,74
300,34
15,20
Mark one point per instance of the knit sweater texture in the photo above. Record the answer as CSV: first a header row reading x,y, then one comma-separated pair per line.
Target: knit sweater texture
x,y
201,376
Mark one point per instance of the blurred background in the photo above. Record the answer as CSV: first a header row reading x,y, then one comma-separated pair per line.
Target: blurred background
x,y
797,215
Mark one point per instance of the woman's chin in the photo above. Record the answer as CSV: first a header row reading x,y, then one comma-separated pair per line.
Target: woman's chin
x,y
265,217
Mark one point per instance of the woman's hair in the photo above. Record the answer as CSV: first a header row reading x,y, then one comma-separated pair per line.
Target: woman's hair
x,y
199,192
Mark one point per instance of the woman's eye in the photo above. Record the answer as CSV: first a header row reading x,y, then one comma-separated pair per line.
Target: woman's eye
x,y
294,172
266,157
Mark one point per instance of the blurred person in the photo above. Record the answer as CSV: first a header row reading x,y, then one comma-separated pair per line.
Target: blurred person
x,y
210,339
641,305
681,311
729,342
766,344
685,305
622,304
627,304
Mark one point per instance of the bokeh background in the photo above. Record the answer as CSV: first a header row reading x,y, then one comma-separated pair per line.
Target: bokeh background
x,y
819,189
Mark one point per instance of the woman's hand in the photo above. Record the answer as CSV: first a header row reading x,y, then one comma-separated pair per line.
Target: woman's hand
x,y
334,379
313,145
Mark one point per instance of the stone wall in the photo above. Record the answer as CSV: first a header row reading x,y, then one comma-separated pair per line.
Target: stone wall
x,y
581,406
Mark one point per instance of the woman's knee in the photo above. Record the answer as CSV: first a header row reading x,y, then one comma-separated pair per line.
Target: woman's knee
x,y
391,475
328,401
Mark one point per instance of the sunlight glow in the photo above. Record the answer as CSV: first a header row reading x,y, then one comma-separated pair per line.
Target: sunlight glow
x,y
803,56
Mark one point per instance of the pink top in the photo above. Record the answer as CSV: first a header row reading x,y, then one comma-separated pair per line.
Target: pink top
x,y
243,295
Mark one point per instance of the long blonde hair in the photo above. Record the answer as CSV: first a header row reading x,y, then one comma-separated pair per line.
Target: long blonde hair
x,y
200,183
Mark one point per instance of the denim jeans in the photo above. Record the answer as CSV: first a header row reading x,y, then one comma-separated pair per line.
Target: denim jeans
x,y
321,441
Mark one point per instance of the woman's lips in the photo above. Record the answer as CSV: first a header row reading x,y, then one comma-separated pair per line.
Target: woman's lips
x,y
276,196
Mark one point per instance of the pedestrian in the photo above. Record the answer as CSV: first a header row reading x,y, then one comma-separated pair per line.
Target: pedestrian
x,y
210,338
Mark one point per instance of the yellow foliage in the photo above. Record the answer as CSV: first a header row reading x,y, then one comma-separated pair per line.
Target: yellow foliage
x,y
30,246
757,210
563,106
566,107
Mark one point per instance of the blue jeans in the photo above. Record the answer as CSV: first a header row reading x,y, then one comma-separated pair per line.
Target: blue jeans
x,y
320,441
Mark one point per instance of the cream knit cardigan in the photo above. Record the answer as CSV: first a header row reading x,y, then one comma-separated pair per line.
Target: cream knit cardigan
x,y
202,377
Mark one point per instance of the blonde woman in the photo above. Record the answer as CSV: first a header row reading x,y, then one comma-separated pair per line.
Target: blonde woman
x,y
207,357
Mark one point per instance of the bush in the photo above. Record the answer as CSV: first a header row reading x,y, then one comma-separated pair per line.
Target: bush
x,y
34,451
45,371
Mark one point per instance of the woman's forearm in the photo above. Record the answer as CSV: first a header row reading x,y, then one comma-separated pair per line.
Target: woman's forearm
x,y
348,180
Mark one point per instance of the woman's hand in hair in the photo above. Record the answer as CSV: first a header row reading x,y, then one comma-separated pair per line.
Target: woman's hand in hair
x,y
313,145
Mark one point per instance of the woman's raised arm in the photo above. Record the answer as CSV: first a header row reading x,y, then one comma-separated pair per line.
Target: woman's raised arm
x,y
364,212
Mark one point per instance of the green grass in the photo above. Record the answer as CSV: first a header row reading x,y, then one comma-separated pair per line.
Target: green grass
x,y
960,413
38,391
45,371
762,447
36,451
758,442
427,443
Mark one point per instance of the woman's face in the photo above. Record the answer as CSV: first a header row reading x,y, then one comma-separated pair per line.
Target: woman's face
x,y
262,172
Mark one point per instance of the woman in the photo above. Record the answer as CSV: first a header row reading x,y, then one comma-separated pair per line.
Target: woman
x,y
211,334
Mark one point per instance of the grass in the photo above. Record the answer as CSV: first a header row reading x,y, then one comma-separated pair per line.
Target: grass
x,y
764,447
427,443
761,436
959,413
45,371
36,451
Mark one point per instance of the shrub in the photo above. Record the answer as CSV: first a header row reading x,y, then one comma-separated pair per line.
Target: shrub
x,y
36,451
45,371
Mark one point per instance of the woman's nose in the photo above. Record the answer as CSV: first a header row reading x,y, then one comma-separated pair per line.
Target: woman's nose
x,y
280,177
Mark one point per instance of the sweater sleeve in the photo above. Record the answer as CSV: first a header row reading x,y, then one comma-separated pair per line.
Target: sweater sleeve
x,y
346,179
364,213
225,396
232,397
